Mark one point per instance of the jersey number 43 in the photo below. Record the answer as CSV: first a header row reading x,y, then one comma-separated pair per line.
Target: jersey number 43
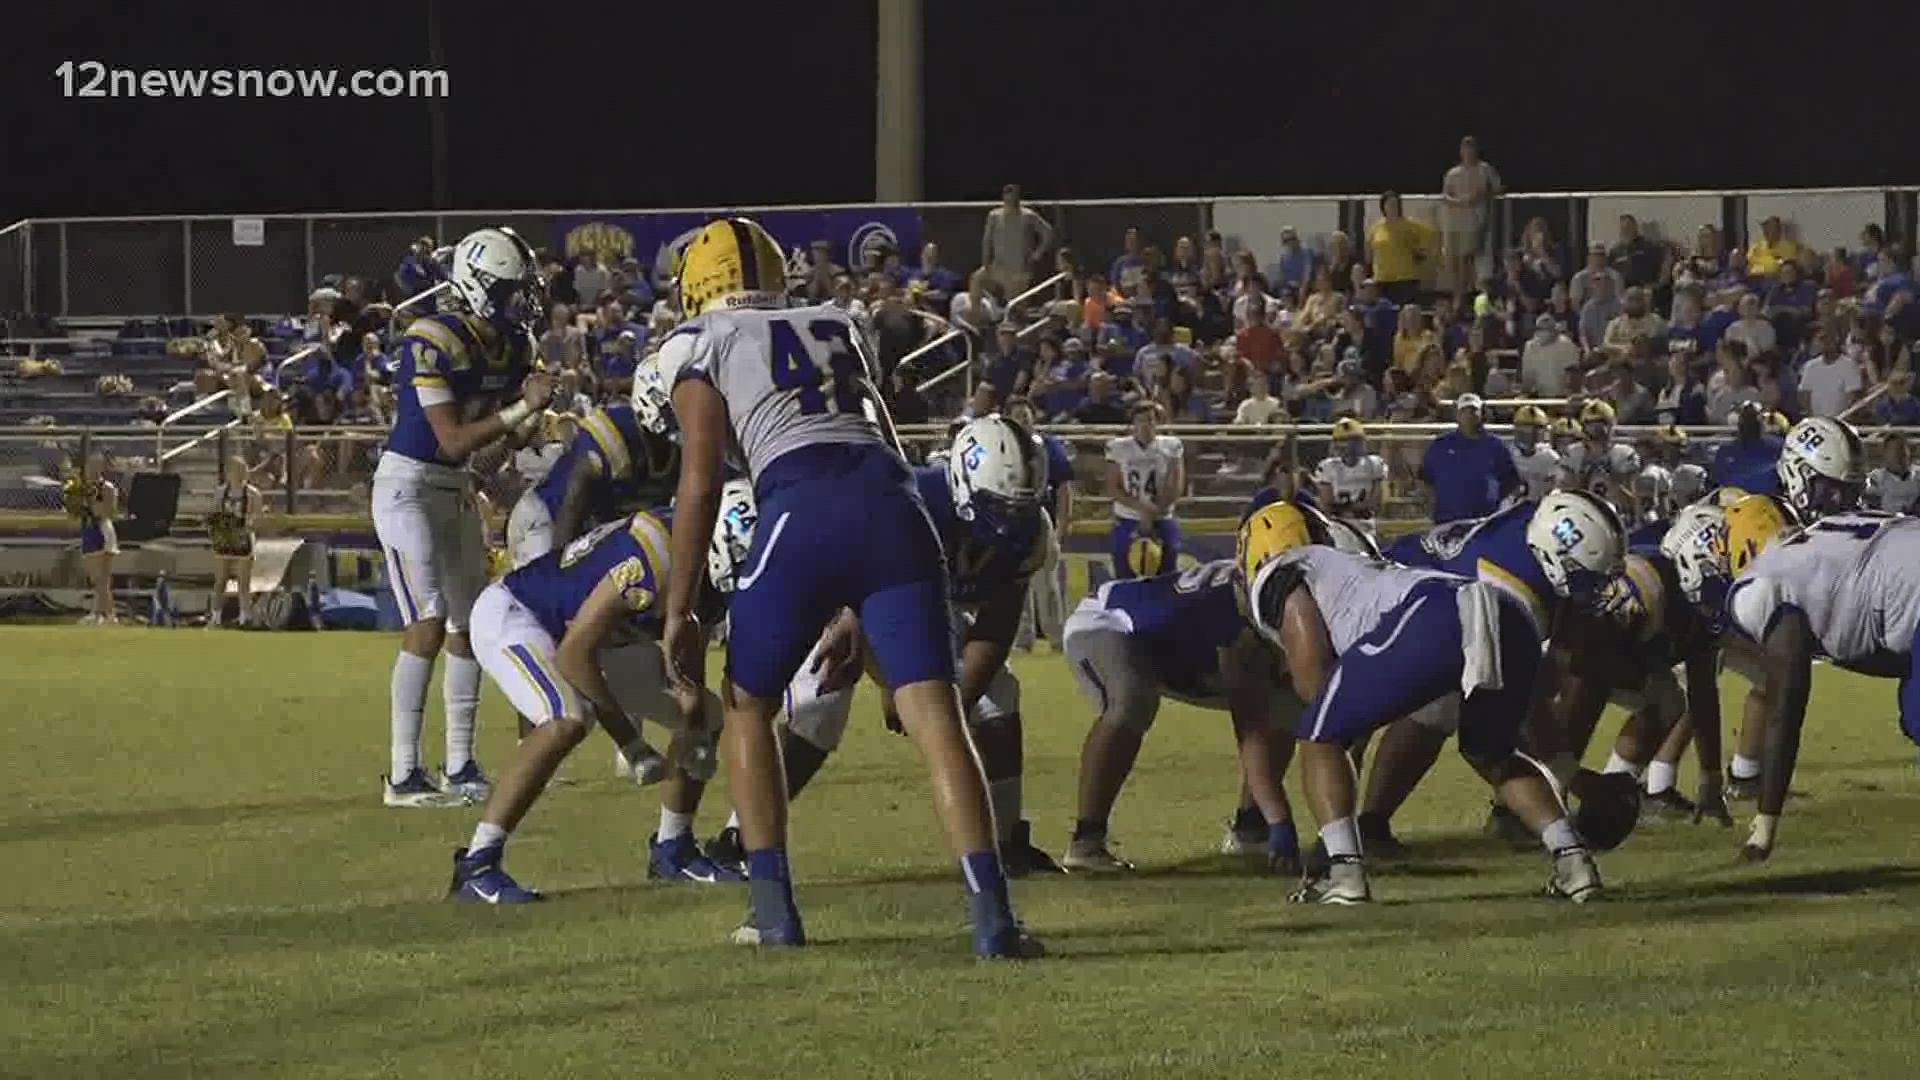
x,y
824,366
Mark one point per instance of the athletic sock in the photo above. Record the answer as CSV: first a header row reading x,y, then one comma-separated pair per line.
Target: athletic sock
x,y
1618,764
1660,776
987,895
1559,836
1089,829
674,824
770,888
1744,768
1342,838
460,692
1004,795
486,836
411,674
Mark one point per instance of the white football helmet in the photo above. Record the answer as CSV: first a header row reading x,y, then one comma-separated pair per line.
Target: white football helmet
x,y
1653,498
652,396
1578,540
732,534
1689,483
495,275
1696,544
1822,467
996,471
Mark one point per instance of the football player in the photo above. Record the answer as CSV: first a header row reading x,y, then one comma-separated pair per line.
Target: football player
x,y
985,501
1147,473
1893,487
843,532
1846,587
1668,450
1349,479
1653,505
1181,635
1822,467
612,467
1046,604
1367,643
1537,463
543,633
454,383
1563,434
1596,463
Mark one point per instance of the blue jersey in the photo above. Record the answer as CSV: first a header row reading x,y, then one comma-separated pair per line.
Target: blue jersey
x,y
1648,534
1492,549
1662,627
625,461
452,357
1059,469
1749,466
976,568
632,551
1183,620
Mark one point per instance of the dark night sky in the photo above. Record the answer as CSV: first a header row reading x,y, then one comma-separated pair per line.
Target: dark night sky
x,y
646,104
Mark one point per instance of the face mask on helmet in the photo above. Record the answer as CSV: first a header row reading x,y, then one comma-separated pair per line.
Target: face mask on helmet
x,y
1351,449
1526,435
1597,430
732,535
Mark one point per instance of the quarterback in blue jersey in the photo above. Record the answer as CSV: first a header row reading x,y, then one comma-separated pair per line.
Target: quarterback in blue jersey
x,y
984,501
844,533
458,376
570,638
1181,636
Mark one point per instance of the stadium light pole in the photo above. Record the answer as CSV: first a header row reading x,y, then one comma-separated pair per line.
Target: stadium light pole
x,y
437,111
896,125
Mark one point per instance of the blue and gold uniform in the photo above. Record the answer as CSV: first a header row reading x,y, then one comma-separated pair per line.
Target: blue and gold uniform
x,y
453,357
1175,626
624,458
1492,549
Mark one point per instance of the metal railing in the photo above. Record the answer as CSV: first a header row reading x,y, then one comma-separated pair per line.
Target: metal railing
x,y
174,417
967,364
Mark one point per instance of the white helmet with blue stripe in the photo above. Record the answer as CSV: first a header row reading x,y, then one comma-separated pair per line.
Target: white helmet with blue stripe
x,y
996,472
732,534
1578,540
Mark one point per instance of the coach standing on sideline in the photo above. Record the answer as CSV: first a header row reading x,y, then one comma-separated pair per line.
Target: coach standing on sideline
x,y
1469,470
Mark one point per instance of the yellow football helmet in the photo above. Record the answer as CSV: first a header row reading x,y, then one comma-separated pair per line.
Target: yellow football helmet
x,y
1143,556
735,262
1349,427
1565,428
1752,524
1726,496
1776,423
1670,435
1532,415
1596,411
1274,529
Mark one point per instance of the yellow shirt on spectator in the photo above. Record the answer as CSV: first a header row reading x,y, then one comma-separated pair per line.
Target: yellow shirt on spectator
x,y
1764,259
1398,247
1408,347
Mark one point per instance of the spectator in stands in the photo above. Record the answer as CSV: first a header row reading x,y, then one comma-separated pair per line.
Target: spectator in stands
x,y
1540,251
1177,401
1560,305
1411,337
1770,249
608,325
1547,359
1295,264
1639,261
1838,275
1379,321
906,404
1898,405
1124,272
821,271
1580,290
1354,396
1310,395
559,283
418,270
1636,319
1215,275
1830,382
1748,460
589,278
897,331
1155,289
1184,269
1323,303
1253,296
1015,238
1684,399
1119,340
1685,324
1752,329
1103,404
1258,343
1343,268
1062,387
1601,306
1009,363
976,309
1467,470
940,281
563,345
1702,268
1789,304
843,298
1632,403
1154,361
360,409
1260,406
1730,386
1097,298
984,401
1527,288
1400,248
1467,192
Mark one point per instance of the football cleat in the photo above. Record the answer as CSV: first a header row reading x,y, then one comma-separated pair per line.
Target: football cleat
x,y
789,934
415,791
478,879
622,770
469,783
727,850
1244,843
1018,856
1343,884
1093,857
1575,876
1667,805
1742,788
1013,943
679,860
646,769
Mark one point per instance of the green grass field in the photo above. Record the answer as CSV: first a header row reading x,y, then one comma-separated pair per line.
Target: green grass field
x,y
199,880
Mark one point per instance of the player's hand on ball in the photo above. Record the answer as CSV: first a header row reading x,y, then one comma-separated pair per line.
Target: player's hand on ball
x,y
1712,801
537,390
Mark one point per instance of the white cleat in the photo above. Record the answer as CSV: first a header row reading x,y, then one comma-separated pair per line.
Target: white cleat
x,y
648,769
1093,857
1575,876
416,792
1344,884
469,783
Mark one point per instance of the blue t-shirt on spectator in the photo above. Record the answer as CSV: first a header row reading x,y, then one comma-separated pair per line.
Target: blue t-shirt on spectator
x,y
1159,360
939,279
1902,411
1748,465
1059,468
1713,325
1295,269
1468,474
1889,284
1066,398
1131,337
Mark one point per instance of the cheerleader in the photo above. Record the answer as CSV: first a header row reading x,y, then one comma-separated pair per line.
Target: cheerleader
x,y
236,509
93,499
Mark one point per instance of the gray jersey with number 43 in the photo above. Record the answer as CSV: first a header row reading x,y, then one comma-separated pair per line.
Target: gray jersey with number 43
x,y
791,377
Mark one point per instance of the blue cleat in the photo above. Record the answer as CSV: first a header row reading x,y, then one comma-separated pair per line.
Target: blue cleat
x,y
680,860
415,791
1012,943
478,879
469,782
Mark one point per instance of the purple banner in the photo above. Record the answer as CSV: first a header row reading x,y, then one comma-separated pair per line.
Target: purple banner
x,y
856,233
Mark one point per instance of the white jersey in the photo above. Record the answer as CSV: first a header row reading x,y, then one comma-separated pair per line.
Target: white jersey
x,y
1689,484
1894,493
791,377
1353,592
1587,469
1352,484
1855,576
1145,471
1539,467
